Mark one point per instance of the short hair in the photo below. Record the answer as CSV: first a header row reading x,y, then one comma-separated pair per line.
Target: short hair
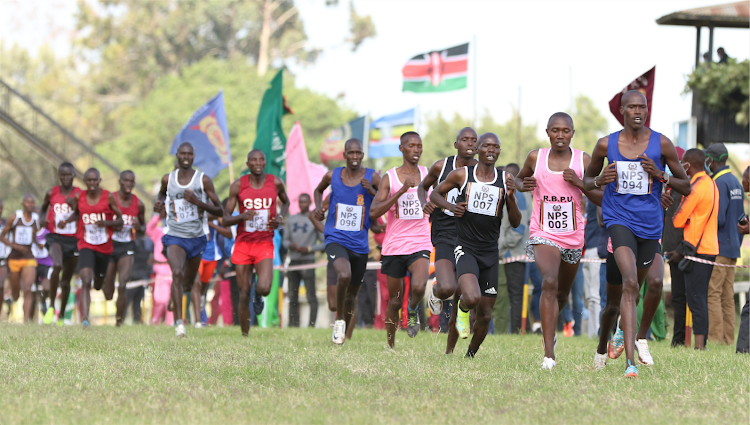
x,y
127,172
305,195
183,144
98,174
66,165
485,136
458,135
252,151
630,93
695,157
352,140
560,115
408,134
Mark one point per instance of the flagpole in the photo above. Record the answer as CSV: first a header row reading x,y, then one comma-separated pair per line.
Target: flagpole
x,y
474,84
231,173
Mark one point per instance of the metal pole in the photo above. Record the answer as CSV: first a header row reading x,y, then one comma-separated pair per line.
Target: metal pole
x,y
710,44
474,83
519,146
697,47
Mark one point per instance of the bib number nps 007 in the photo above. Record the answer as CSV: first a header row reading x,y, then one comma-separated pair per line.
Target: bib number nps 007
x,y
95,235
483,199
259,223
409,207
632,179
349,218
558,218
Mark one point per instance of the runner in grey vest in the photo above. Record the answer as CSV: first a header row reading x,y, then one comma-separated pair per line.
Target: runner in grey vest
x,y
185,220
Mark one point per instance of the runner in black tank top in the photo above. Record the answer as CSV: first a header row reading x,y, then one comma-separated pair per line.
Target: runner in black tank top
x,y
478,210
443,222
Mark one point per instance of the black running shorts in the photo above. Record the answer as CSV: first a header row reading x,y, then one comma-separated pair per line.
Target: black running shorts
x,y
644,249
444,251
396,266
122,249
485,267
358,262
69,244
93,260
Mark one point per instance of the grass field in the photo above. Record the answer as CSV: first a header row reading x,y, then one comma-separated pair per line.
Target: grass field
x,y
143,374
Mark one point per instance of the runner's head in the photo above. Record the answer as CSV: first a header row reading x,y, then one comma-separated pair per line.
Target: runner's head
x,y
512,169
127,181
353,154
92,178
693,161
411,147
185,156
66,173
29,203
488,148
560,131
256,162
634,109
304,203
466,143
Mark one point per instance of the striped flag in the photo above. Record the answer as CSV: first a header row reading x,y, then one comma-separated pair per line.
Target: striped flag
x,y
437,71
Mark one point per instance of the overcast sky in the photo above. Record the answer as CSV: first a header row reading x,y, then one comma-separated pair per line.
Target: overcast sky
x,y
543,47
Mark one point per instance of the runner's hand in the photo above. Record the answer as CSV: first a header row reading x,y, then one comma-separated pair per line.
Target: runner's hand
x,y
158,206
666,201
744,229
366,185
608,176
101,223
23,249
61,224
408,184
274,223
510,185
529,183
649,166
249,214
428,208
459,209
42,223
320,214
571,177
191,197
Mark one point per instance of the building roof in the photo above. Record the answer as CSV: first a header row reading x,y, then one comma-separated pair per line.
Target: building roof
x,y
730,15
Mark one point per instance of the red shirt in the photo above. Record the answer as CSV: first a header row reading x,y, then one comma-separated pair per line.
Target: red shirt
x,y
129,215
59,210
90,235
262,200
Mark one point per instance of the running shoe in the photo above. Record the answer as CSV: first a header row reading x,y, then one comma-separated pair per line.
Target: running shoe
x,y
204,317
49,316
179,331
199,325
435,304
258,304
616,345
60,322
462,323
644,354
339,332
412,323
568,329
600,361
631,371
548,364
85,324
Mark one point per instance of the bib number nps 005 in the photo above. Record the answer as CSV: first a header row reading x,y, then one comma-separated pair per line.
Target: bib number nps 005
x,y
632,179
184,211
558,218
95,235
409,207
349,218
451,197
259,223
483,199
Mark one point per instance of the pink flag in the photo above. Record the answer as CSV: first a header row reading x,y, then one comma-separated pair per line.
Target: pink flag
x,y
302,176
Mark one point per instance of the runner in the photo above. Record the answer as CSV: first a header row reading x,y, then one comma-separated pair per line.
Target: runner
x,y
4,251
58,205
123,243
406,247
21,263
256,194
443,223
184,195
556,228
631,208
43,272
352,190
483,191
209,261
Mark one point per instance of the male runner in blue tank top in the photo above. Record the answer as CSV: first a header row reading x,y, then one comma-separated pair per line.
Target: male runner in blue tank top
x,y
631,206
352,190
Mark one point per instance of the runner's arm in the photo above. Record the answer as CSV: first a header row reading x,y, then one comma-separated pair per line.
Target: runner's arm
x,y
525,180
318,224
594,195
228,219
215,207
283,197
318,194
679,180
223,231
591,178
43,210
429,180
117,218
375,183
454,181
141,216
381,203
514,213
162,196
4,234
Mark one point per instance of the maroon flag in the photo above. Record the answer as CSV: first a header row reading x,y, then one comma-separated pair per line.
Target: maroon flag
x,y
645,85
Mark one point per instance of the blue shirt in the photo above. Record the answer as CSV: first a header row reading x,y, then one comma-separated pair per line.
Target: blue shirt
x,y
592,231
730,211
354,197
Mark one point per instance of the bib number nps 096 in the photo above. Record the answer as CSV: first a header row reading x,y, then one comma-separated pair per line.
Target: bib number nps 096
x,y
632,179
349,218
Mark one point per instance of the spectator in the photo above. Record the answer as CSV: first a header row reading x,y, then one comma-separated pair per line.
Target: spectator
x,y
512,243
723,58
591,286
743,339
163,274
139,276
671,237
721,285
302,240
698,215
707,57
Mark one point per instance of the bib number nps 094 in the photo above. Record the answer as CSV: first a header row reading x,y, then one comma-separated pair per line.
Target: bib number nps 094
x,y
632,179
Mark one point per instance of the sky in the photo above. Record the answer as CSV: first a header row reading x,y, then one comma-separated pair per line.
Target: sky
x,y
544,50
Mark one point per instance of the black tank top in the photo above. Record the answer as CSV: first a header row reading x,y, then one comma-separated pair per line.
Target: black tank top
x,y
479,228
443,223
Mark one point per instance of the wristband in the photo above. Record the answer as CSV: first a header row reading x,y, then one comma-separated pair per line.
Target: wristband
x,y
596,184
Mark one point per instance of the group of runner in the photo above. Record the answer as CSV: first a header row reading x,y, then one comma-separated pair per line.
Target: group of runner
x,y
455,207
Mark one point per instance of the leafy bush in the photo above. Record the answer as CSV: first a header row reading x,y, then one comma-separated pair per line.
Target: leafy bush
x,y
723,86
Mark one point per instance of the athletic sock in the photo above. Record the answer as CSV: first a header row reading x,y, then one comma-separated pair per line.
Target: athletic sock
x,y
178,322
471,353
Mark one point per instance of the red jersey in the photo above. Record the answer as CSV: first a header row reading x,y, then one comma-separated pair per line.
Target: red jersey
x,y
89,234
59,210
129,215
263,201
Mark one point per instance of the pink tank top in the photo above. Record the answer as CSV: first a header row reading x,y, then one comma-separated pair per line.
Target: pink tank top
x,y
408,229
557,204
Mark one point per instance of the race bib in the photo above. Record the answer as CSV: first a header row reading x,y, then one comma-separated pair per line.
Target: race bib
x,y
349,218
631,179
95,235
483,199
558,218
451,197
409,207
259,223
69,229
23,235
122,235
184,211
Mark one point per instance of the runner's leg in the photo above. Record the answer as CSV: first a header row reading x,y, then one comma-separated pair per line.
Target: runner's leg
x,y
452,332
55,252
548,261
244,271
395,292
87,276
654,279
609,315
176,259
124,267
445,283
191,271
28,276
69,267
343,278
482,324
629,321
420,272
109,281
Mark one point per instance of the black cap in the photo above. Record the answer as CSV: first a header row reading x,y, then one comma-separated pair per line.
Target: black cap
x,y
717,152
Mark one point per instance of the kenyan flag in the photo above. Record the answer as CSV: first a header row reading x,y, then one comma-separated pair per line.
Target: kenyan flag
x,y
443,70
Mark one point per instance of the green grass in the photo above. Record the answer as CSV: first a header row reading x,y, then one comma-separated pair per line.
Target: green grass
x,y
144,374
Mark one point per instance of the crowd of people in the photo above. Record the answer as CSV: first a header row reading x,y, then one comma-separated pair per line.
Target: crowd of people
x,y
564,219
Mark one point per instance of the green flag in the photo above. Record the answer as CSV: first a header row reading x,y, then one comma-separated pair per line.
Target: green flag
x,y
269,137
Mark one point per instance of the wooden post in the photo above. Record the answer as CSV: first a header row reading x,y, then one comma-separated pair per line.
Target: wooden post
x,y
524,310
688,327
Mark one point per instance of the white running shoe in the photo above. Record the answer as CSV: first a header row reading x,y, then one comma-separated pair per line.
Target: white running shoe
x,y
199,325
179,331
548,364
644,354
339,332
435,304
600,361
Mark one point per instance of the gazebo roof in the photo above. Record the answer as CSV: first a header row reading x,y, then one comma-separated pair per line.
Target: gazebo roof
x,y
730,15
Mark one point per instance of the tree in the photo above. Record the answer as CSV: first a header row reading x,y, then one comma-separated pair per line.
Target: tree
x,y
589,123
723,86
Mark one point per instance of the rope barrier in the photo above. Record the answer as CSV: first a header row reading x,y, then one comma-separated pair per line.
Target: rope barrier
x,y
713,263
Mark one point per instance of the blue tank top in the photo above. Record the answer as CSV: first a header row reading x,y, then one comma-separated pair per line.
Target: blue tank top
x,y
634,199
349,214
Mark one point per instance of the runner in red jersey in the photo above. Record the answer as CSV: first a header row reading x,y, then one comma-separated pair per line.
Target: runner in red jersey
x,y
256,194
123,243
59,205
94,207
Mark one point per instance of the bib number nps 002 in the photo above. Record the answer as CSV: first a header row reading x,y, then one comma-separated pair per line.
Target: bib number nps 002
x,y
259,223
632,179
483,199
349,218
409,207
558,218
95,235
184,211
451,197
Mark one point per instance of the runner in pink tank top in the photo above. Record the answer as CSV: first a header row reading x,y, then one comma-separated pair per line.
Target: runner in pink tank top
x,y
407,243
555,176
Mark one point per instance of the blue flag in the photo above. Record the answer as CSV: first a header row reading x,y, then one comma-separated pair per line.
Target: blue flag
x,y
385,133
207,131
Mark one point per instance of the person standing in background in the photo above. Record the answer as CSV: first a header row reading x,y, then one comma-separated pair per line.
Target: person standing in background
x,y
743,338
591,278
721,285
139,275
